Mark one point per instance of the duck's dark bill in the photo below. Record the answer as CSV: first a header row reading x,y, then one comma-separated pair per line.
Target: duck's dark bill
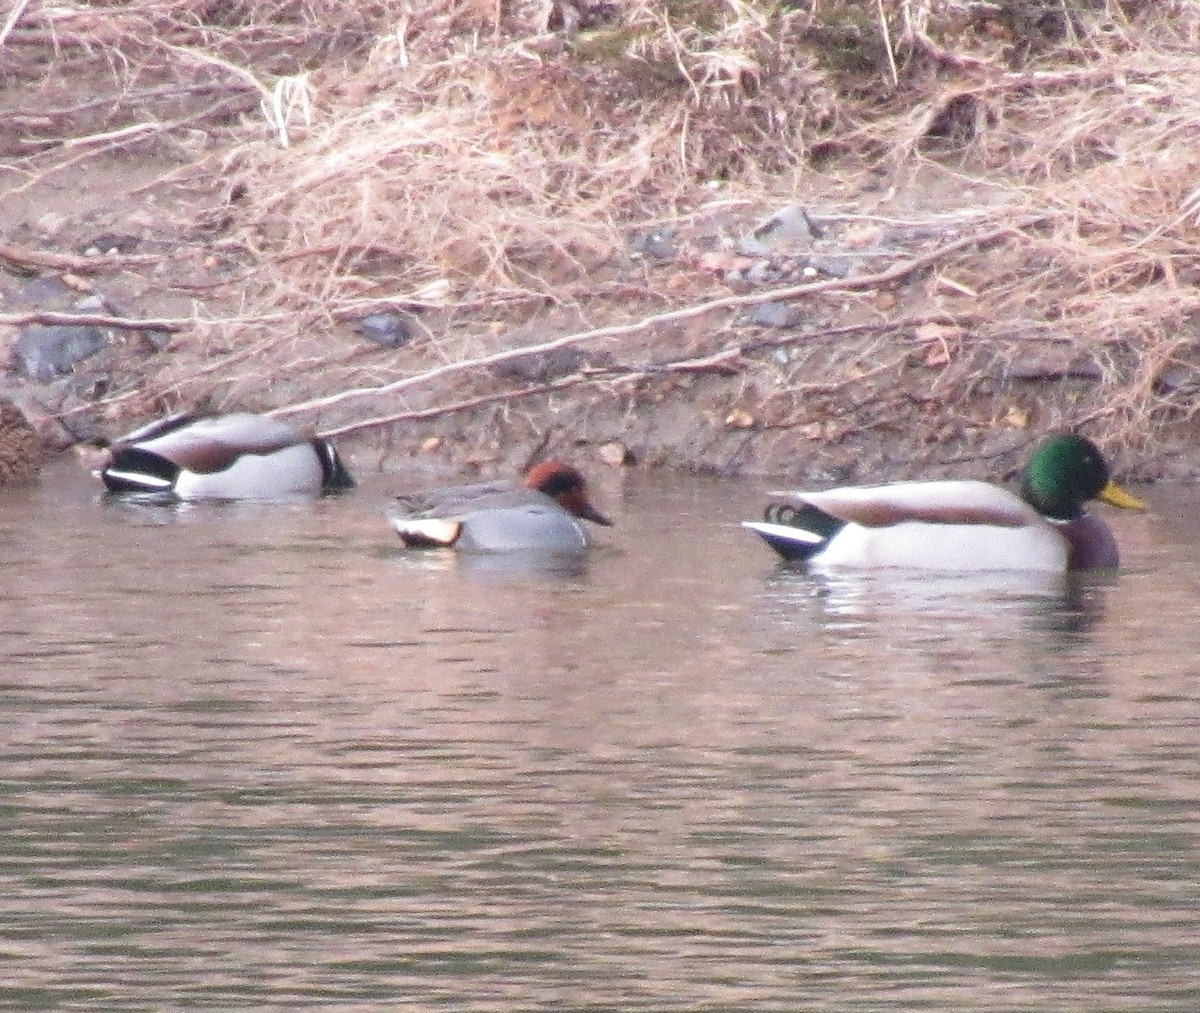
x,y
790,542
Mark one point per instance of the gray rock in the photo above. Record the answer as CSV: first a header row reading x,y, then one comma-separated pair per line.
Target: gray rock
x,y
47,291
657,244
790,228
776,314
108,243
833,266
43,352
159,341
92,304
387,328
1176,379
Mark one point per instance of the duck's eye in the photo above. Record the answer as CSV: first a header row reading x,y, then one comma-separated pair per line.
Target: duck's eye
x,y
780,513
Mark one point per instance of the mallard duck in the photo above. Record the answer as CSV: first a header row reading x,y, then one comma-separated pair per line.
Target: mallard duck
x,y
236,456
540,514
960,525
20,445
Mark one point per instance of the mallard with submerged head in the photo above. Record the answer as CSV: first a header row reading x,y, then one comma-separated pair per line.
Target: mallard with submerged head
x,y
223,457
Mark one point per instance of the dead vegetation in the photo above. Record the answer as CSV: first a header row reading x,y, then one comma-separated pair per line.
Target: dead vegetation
x,y
500,174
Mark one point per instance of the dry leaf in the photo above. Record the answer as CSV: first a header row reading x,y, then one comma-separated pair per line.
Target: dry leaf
x,y
718,262
938,355
1017,417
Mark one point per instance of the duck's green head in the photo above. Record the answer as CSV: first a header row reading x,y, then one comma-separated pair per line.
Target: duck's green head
x,y
1064,472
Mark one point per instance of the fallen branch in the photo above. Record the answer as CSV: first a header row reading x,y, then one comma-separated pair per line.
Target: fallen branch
x,y
891,274
23,259
172,324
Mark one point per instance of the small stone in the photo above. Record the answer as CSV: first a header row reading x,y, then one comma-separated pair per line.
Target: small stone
x,y
110,243
388,329
91,304
431,444
657,244
615,454
739,418
776,314
157,340
761,272
834,267
48,224
45,291
788,226
1176,378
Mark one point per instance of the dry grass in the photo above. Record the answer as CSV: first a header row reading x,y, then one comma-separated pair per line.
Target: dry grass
x,y
485,163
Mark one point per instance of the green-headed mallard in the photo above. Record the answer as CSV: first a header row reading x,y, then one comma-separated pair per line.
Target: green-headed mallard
x,y
960,525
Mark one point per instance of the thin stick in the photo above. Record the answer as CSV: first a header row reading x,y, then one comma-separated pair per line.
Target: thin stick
x,y
11,21
21,258
887,44
172,324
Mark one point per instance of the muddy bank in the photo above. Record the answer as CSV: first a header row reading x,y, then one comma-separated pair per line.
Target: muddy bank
x,y
584,234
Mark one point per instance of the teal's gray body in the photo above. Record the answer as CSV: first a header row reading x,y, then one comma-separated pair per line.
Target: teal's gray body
x,y
501,516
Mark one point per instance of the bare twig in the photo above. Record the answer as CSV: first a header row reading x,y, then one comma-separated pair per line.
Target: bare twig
x,y
23,259
887,43
172,324
13,17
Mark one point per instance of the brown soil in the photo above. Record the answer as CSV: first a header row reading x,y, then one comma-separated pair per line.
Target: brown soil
x,y
1000,232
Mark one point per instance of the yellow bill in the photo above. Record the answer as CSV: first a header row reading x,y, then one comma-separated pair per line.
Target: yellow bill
x,y
1114,495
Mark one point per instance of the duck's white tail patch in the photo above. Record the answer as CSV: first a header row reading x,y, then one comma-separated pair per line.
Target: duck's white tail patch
x,y
784,532
141,479
426,533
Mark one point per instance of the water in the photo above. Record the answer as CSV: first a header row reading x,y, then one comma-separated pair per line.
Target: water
x,y
257,758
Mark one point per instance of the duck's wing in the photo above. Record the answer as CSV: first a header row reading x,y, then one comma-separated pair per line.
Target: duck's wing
x,y
950,502
434,518
458,502
159,427
208,444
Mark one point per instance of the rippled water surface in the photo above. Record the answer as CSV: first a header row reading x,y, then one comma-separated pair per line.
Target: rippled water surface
x,y
257,758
